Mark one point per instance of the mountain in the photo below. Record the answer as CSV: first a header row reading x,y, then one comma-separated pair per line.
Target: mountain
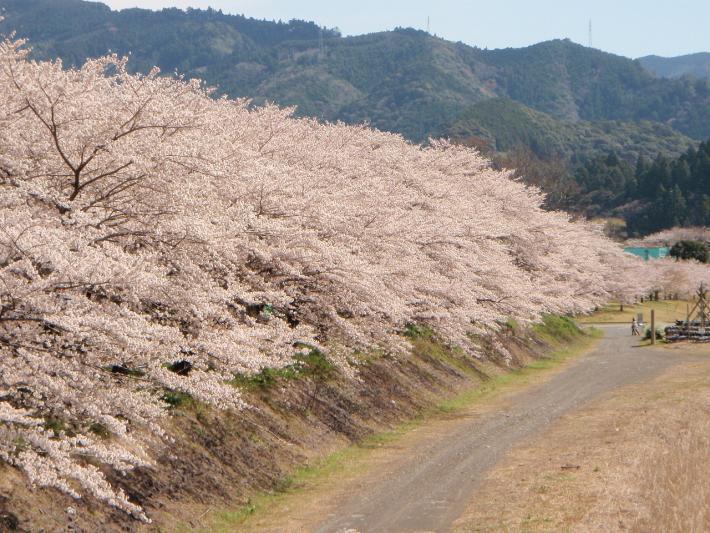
x,y
504,125
697,65
404,81
570,81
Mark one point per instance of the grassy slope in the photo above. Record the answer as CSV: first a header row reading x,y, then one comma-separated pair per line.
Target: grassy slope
x,y
309,483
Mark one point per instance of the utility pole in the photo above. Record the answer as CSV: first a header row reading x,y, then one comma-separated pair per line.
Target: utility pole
x,y
703,308
428,25
653,326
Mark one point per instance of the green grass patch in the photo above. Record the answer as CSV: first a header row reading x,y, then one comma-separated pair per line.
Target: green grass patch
x,y
57,426
362,358
426,345
557,329
177,398
185,404
99,430
417,331
19,445
667,311
512,325
264,380
311,364
314,364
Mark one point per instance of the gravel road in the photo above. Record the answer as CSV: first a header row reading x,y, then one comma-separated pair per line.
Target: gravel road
x,y
427,488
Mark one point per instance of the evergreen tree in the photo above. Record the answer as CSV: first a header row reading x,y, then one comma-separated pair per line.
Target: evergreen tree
x,y
681,173
678,208
696,250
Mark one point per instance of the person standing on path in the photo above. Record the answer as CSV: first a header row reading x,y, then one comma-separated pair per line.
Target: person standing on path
x,y
634,327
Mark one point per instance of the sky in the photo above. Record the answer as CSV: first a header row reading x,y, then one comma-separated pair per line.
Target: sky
x,y
632,28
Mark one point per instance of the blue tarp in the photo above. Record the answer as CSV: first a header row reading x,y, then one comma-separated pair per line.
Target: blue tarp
x,y
655,252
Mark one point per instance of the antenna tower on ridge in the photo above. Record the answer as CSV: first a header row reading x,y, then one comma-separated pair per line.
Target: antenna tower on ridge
x,y
321,46
428,25
590,34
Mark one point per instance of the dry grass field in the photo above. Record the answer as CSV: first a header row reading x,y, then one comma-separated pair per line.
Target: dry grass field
x,y
637,460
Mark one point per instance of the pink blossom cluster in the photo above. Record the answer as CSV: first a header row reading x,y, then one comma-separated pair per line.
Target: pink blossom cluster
x,y
671,236
674,277
144,222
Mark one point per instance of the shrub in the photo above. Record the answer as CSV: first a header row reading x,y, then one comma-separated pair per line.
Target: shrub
x,y
647,335
686,250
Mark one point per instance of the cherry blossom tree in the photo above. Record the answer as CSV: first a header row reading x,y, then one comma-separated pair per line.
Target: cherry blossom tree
x,y
671,236
144,223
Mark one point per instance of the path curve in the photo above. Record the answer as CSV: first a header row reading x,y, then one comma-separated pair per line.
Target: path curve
x,y
429,488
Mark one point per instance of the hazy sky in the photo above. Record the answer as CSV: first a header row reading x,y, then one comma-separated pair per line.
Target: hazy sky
x,y
628,27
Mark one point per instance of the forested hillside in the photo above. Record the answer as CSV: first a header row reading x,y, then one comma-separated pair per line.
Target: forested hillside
x,y
697,65
503,125
651,195
571,81
637,171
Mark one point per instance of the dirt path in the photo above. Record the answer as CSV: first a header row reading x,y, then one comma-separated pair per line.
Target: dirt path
x,y
427,482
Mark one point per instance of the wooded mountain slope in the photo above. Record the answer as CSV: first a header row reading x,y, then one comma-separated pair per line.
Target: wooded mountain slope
x,y
507,125
697,65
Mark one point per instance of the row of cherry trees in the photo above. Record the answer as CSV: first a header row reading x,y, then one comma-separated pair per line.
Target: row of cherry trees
x,y
143,222
671,236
